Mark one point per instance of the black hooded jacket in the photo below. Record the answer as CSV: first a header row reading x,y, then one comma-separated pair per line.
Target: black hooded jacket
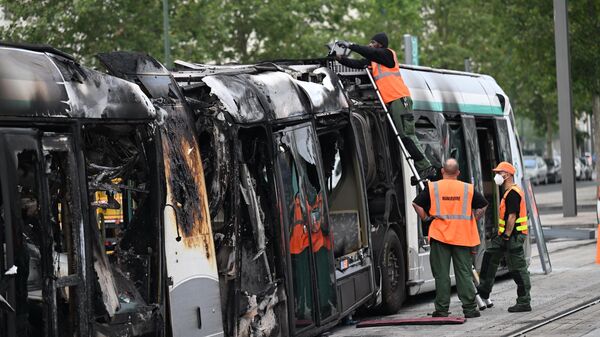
x,y
382,56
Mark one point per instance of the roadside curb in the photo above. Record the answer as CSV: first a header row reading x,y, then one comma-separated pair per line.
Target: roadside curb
x,y
559,208
581,244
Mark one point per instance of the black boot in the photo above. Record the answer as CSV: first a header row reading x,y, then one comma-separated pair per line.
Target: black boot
x,y
519,308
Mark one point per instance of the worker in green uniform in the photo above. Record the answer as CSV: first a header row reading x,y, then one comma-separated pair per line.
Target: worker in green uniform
x,y
454,207
512,234
383,64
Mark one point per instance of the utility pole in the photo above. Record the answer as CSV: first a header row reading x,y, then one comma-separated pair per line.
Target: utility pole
x,y
565,112
166,33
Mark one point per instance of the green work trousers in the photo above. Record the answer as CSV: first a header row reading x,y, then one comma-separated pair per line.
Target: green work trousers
x,y
404,120
325,282
441,254
302,284
517,266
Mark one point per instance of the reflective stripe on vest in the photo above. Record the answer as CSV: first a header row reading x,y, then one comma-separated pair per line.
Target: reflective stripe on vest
x,y
463,215
389,81
521,221
453,216
382,74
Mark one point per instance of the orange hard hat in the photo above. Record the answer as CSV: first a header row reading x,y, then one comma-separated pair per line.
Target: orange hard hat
x,y
506,167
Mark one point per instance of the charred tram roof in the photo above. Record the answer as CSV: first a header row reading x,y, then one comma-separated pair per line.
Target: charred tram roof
x,y
40,81
264,92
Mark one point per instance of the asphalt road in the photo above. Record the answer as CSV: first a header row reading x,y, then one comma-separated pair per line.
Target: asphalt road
x,y
575,279
550,199
550,188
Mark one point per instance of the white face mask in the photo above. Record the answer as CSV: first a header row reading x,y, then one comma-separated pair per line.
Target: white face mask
x,y
498,179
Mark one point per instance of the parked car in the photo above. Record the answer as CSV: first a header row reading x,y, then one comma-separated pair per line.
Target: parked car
x,y
586,169
535,169
554,169
578,170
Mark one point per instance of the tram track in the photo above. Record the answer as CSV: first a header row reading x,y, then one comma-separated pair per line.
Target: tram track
x,y
554,318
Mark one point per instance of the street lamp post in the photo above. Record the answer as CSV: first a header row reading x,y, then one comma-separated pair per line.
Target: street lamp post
x,y
565,112
166,33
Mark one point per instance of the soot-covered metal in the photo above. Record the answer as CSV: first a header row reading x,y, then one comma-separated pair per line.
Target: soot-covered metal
x,y
271,95
236,111
91,188
156,143
37,84
184,174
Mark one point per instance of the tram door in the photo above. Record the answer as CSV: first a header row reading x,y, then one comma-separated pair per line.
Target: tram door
x,y
41,287
310,254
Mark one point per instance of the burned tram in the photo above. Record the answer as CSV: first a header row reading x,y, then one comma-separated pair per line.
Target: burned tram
x,y
287,195
310,194
106,226
76,143
247,200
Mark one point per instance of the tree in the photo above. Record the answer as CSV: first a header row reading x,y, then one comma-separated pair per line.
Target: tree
x,y
86,27
512,40
456,30
394,17
250,31
523,60
585,61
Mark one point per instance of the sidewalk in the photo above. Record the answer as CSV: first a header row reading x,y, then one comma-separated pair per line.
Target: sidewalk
x,y
582,220
550,206
555,225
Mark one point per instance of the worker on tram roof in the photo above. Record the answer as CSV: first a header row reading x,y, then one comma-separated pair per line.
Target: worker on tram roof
x,y
384,66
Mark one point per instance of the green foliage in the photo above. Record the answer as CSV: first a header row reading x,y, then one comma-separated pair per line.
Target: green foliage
x,y
456,30
585,51
394,17
86,27
249,31
528,34
512,40
207,31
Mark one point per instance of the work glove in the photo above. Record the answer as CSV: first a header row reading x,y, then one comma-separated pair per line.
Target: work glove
x,y
343,44
499,241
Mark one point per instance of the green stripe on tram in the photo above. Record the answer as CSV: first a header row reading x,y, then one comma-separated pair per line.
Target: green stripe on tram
x,y
457,107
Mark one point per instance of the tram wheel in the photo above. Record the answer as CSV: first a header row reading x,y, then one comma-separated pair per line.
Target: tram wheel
x,y
393,281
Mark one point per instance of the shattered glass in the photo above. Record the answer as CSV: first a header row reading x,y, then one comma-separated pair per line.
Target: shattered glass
x,y
309,222
433,133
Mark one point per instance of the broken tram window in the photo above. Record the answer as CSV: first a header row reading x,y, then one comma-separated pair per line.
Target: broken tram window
x,y
121,178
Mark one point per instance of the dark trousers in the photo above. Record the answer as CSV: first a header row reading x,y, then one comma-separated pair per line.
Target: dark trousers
x,y
302,284
441,254
517,266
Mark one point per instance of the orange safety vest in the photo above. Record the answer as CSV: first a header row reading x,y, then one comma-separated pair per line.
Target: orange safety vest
x,y
389,81
299,238
521,222
453,222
